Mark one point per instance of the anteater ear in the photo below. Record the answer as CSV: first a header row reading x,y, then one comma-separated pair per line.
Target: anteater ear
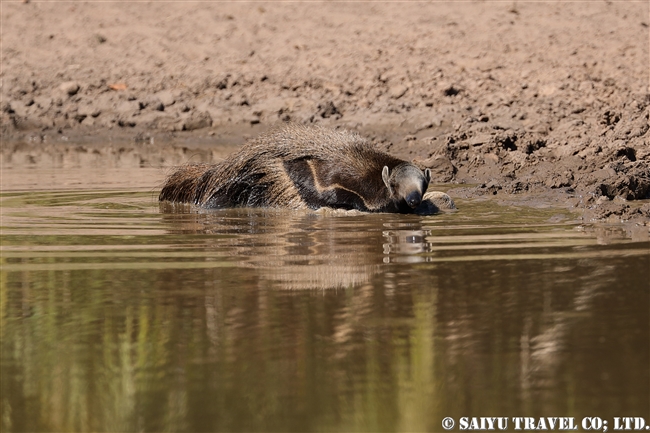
x,y
427,175
385,175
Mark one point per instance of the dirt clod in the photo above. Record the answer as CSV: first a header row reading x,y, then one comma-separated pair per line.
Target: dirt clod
x,y
70,88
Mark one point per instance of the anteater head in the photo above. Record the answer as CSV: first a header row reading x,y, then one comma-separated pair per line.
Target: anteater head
x,y
406,184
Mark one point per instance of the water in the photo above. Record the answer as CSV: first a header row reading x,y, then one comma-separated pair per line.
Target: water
x,y
120,316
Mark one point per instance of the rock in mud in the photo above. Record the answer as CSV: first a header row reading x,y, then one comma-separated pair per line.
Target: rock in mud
x,y
128,107
28,123
70,88
159,120
442,169
398,91
166,97
197,121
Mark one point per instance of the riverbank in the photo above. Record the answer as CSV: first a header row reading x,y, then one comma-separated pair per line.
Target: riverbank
x,y
515,99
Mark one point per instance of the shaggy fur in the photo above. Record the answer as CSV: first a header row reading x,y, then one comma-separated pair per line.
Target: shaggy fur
x,y
302,167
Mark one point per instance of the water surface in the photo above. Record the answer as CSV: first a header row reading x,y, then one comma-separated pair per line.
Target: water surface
x,y
118,315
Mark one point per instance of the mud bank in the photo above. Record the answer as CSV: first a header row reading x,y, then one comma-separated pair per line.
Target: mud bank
x,y
547,99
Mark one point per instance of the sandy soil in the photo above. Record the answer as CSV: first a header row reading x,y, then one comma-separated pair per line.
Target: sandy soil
x,y
513,98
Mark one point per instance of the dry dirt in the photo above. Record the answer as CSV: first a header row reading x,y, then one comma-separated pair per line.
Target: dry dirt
x,y
512,98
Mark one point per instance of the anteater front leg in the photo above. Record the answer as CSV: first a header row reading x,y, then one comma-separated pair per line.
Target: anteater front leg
x,y
314,182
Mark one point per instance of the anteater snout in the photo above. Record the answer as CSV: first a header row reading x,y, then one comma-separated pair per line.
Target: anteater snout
x,y
414,199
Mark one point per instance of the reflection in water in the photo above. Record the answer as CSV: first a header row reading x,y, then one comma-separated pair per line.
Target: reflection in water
x,y
118,317
296,250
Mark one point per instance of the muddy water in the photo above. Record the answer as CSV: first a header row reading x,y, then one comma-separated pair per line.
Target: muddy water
x,y
121,316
